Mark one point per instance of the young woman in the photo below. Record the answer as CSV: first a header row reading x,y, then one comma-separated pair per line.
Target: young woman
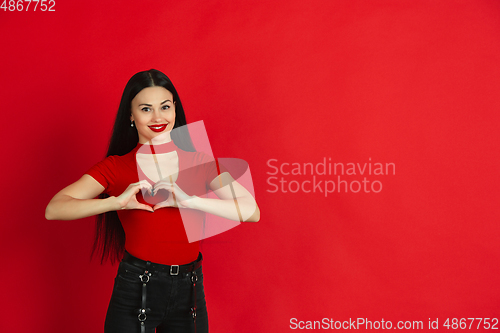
x,y
151,190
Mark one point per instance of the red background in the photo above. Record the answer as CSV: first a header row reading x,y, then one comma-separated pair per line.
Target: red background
x,y
414,83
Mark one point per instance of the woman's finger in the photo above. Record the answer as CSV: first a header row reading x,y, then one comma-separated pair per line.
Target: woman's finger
x,y
164,186
145,207
166,203
144,184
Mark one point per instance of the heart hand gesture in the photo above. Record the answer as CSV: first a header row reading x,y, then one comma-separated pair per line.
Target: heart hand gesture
x,y
177,198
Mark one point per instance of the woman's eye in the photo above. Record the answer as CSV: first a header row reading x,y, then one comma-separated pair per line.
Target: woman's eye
x,y
165,107
146,109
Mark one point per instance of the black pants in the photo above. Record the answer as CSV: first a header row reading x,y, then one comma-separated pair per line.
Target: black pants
x,y
170,299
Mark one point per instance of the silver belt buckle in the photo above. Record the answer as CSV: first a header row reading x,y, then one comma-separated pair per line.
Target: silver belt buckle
x,y
176,272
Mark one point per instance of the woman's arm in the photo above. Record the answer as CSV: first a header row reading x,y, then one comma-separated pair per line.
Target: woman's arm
x,y
234,203
76,200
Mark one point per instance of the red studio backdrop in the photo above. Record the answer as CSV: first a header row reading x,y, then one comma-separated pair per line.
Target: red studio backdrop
x,y
371,130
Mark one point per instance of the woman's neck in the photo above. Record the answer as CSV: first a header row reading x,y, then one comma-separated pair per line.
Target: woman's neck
x,y
153,148
157,140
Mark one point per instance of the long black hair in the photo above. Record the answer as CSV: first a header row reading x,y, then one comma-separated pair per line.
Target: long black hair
x,y
109,240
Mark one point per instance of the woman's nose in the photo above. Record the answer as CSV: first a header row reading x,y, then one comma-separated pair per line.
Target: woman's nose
x,y
156,115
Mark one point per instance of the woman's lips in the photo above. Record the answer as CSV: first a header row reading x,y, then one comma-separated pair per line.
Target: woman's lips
x,y
158,128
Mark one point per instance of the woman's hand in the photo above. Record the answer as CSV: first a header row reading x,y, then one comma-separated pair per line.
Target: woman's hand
x,y
128,199
177,198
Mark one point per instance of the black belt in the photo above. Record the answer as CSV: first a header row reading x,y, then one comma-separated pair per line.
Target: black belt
x,y
171,269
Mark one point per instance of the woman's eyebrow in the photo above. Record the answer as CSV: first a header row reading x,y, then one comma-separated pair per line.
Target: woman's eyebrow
x,y
165,101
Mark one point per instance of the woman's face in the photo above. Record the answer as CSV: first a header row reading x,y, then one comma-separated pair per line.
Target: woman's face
x,y
153,112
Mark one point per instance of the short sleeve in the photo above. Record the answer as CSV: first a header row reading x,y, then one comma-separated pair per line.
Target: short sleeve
x,y
103,173
211,170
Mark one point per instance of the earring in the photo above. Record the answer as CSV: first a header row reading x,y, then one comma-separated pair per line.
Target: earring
x,y
132,124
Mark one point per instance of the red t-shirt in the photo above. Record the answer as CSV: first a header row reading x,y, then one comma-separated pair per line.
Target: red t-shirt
x,y
160,236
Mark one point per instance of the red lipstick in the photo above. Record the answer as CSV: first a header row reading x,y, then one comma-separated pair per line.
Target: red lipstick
x,y
158,128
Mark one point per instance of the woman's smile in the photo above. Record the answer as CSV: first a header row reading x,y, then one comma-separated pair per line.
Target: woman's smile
x,y
158,128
